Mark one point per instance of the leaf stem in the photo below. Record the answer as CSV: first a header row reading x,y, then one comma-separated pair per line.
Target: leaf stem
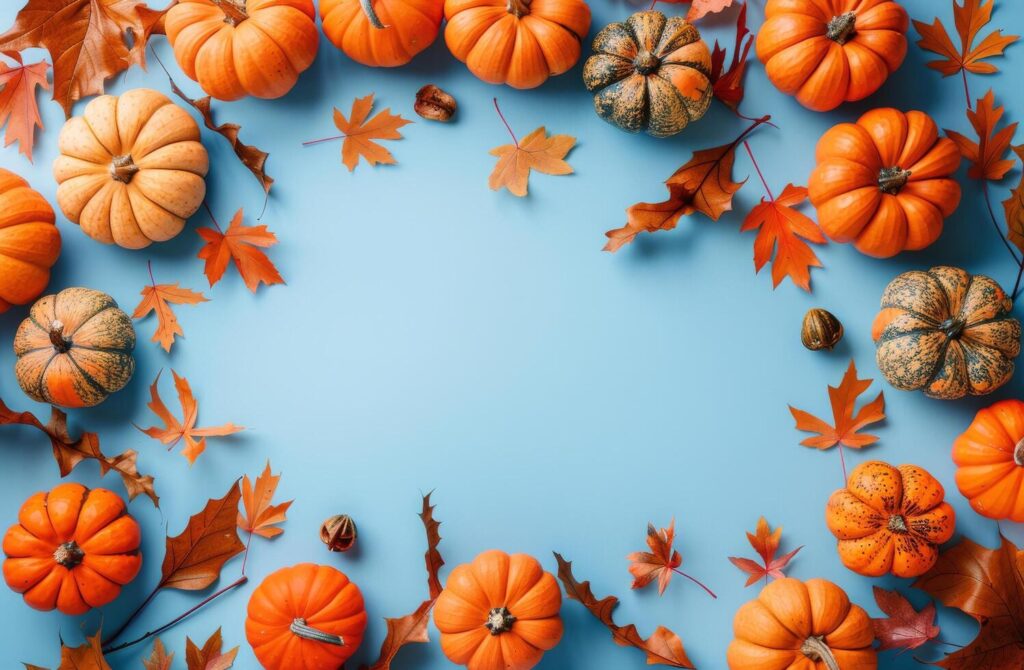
x,y
746,145
967,91
995,222
732,145
1016,284
149,264
324,139
131,617
212,218
503,120
842,461
695,581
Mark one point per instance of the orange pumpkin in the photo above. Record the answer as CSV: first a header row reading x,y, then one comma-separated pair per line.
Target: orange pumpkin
x,y
885,184
29,241
826,52
794,625
306,617
72,549
499,612
890,519
385,33
990,461
516,42
235,48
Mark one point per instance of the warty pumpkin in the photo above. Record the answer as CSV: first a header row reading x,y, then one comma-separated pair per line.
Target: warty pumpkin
x,y
885,183
989,456
235,48
826,52
381,33
650,73
946,332
72,549
499,612
516,42
890,519
794,625
29,241
74,349
305,617
131,169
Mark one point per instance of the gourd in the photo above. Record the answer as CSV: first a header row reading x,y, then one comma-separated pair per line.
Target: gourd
x,y
131,169
236,48
305,617
885,183
650,73
989,456
890,519
72,549
516,42
29,241
381,33
795,625
832,51
946,332
74,349
499,612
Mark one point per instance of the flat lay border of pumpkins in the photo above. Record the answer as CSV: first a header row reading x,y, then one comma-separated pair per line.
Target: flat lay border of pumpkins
x,y
131,172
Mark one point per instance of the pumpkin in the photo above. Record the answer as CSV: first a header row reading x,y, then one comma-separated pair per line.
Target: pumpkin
x,y
29,241
74,349
989,456
795,625
305,617
890,519
650,73
826,52
499,612
131,168
385,33
72,549
885,184
947,332
516,42
235,48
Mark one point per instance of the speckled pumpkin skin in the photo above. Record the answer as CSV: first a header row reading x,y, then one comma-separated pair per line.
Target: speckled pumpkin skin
x,y
650,74
946,332
890,519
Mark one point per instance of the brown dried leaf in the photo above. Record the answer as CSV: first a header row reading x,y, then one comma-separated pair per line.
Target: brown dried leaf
x,y
209,657
193,560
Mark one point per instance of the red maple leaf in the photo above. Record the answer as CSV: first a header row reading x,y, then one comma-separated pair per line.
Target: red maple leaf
x,y
904,627
766,543
728,84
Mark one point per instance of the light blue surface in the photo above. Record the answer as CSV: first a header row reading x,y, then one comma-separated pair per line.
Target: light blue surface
x,y
437,335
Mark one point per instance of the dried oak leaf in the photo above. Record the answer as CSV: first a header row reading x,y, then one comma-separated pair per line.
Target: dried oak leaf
x,y
728,84
846,430
660,562
782,229
904,627
209,656
360,134
259,515
987,155
193,560
243,245
158,659
1014,208
158,298
765,542
970,18
18,106
536,151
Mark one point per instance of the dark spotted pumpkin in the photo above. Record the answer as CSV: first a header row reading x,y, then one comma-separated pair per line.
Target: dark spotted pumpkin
x,y
650,73
74,349
946,332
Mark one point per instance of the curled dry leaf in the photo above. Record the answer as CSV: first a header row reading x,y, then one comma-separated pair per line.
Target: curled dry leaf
x,y
766,543
194,558
904,627
259,516
969,18
846,430
782,230
158,659
18,106
728,84
987,155
158,298
242,245
209,656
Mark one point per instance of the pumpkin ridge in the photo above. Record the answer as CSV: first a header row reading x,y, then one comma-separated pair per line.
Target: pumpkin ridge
x,y
963,301
85,375
254,24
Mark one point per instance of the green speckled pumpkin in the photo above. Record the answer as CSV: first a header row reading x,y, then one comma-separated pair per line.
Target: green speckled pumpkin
x,y
74,349
946,332
650,73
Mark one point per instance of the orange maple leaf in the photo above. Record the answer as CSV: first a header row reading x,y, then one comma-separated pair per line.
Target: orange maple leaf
x,y
240,244
782,230
536,151
260,517
987,154
661,562
359,134
970,18
18,106
765,542
1014,208
847,424
158,298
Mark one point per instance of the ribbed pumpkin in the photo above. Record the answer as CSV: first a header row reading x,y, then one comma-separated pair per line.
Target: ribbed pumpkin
x,y
381,33
72,549
650,73
499,612
74,349
947,332
516,42
990,461
29,241
235,48
890,519
794,625
131,169
885,184
826,52
306,617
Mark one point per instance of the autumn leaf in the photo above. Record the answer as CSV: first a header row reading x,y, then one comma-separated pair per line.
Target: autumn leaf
x,y
700,8
847,424
159,659
728,84
359,134
88,656
987,155
243,245
904,627
158,298
193,559
260,516
662,648
661,562
18,106
1014,208
536,151
970,18
209,656
782,229
765,542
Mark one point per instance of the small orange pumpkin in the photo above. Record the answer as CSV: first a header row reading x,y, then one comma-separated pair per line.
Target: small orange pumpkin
x,y
29,241
499,612
890,519
72,549
990,461
381,33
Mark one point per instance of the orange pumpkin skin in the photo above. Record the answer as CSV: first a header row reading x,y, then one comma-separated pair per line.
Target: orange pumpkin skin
x,y
890,519
306,617
72,549
235,48
499,612
990,456
516,42
826,52
885,183
29,241
794,625
381,33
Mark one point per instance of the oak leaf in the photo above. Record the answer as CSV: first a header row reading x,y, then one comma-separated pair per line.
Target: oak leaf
x,y
987,155
846,430
659,563
158,298
18,106
193,559
209,656
359,133
903,627
765,542
782,229
728,84
243,245
536,151
260,516
969,18
1013,207
158,659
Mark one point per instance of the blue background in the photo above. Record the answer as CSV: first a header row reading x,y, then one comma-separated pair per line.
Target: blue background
x,y
437,335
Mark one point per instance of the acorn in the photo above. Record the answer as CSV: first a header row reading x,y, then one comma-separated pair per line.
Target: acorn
x,y
821,330
339,532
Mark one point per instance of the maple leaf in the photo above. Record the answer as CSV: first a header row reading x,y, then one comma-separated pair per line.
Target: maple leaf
x,y
536,151
18,106
1014,208
88,656
987,154
209,657
260,517
728,84
970,18
359,134
847,424
659,563
159,659
663,647
158,298
193,560
766,543
174,430
904,627
782,229
241,244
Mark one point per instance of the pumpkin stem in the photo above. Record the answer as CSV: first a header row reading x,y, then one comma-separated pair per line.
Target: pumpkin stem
x,y
57,337
68,554
1018,453
234,11
646,63
123,168
815,649
307,632
371,14
952,328
499,620
897,524
518,8
892,179
841,28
